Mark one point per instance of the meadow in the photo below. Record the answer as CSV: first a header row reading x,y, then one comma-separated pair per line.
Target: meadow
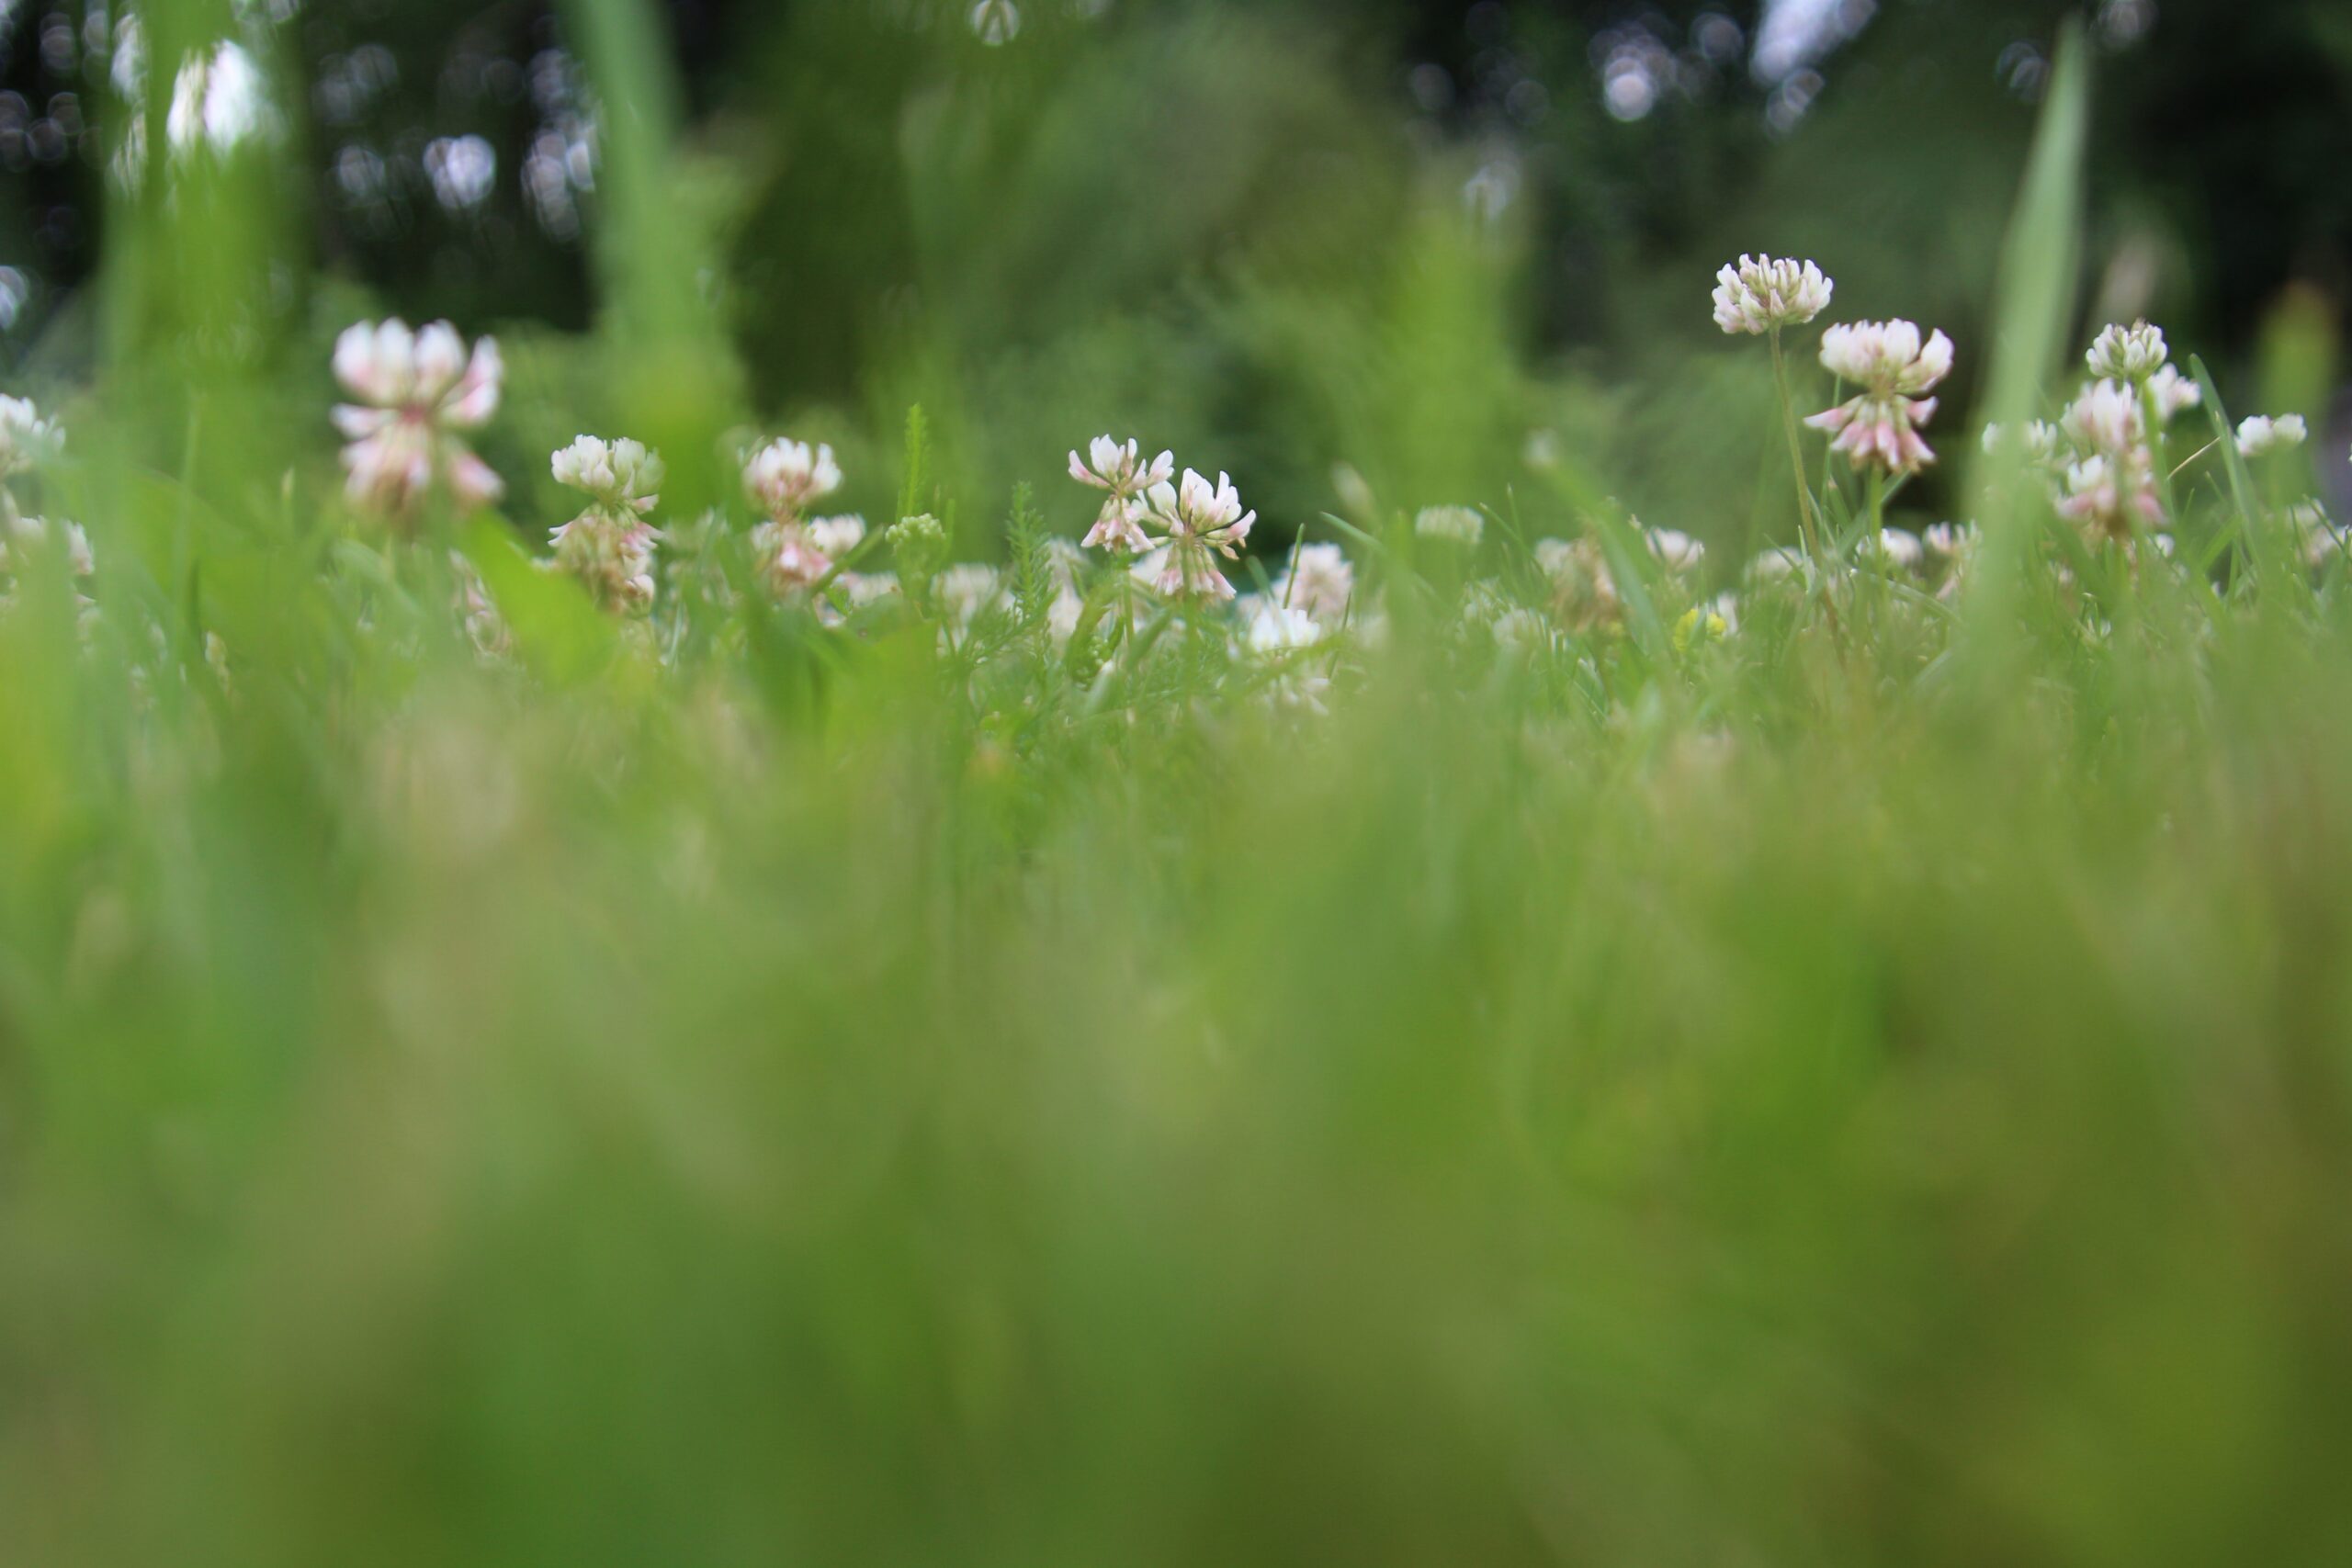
x,y
563,999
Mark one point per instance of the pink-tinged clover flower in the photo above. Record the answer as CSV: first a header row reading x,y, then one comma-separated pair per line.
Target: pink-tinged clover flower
x,y
1760,295
1895,370
2113,482
783,477
1202,522
789,553
1319,582
1119,471
610,545
416,393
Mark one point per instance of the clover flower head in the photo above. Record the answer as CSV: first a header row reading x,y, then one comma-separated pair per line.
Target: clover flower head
x,y
1758,295
2319,537
836,537
1521,634
26,440
1063,615
1269,626
1202,522
1950,541
1897,547
2174,393
2262,435
1319,580
2109,493
2129,354
611,551
1460,526
1584,593
787,558
415,392
1678,551
2106,419
34,533
1781,563
969,590
783,477
1119,470
1894,368
620,475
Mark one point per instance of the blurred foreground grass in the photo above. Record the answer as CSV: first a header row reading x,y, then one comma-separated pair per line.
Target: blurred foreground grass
x,y
785,1095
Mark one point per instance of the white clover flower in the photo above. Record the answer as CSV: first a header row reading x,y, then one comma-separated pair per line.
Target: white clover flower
x,y
2262,435
2109,492
1269,626
34,533
1761,294
1951,541
2105,419
610,545
783,476
1781,563
1202,521
2174,394
1678,551
1062,617
1898,547
1120,470
621,475
969,590
1065,564
2112,483
1484,600
1894,368
1454,524
1320,581
836,537
1521,634
863,588
2130,355
416,391
612,553
2320,538
26,440
787,559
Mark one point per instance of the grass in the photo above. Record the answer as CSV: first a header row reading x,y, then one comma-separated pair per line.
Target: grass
x,y
742,1089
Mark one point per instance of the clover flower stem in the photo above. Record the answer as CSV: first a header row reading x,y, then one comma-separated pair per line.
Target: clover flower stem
x,y
1877,492
1805,520
1808,518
